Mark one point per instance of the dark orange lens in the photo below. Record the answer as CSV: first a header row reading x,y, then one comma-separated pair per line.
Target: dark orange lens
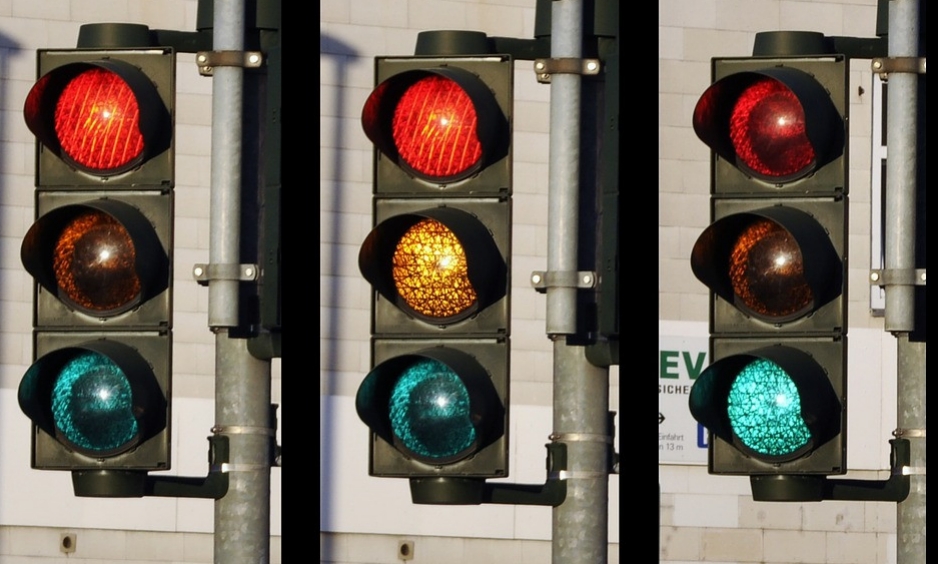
x,y
95,263
767,272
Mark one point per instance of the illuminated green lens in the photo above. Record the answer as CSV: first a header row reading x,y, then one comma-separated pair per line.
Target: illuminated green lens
x,y
92,404
765,410
429,411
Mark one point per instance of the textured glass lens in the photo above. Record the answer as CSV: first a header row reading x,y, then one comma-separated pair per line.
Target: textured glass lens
x,y
767,127
97,121
767,271
429,411
434,128
92,404
764,409
430,271
95,263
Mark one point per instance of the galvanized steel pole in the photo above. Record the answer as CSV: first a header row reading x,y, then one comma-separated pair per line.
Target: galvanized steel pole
x,y
242,382
581,390
902,168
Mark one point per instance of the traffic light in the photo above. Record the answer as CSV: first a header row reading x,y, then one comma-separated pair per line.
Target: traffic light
x,y
100,252
775,260
438,259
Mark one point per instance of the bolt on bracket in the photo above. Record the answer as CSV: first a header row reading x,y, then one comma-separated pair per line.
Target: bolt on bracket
x,y
897,277
542,280
885,65
544,68
208,60
205,273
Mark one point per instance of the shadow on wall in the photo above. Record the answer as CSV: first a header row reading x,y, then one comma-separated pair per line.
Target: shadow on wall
x,y
9,49
341,56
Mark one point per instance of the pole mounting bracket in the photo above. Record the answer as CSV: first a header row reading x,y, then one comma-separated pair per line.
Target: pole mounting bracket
x,y
885,65
208,60
545,68
205,273
897,277
542,280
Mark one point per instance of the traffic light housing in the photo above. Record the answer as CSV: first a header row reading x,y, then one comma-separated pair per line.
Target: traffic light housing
x,y
438,258
100,251
775,260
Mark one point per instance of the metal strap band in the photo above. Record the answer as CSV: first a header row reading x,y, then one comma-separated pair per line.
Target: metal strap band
x,y
243,430
581,438
568,475
226,467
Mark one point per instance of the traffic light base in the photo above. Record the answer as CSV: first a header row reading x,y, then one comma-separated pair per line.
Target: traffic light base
x,y
138,483
820,488
475,491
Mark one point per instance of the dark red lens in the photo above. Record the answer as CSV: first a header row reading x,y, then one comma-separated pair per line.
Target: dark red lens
x,y
97,121
434,128
767,128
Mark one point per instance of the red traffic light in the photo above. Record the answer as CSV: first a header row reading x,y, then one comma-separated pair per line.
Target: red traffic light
x,y
777,124
440,124
103,117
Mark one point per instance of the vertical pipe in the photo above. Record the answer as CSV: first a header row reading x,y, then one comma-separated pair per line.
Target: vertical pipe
x,y
902,168
563,169
242,383
581,390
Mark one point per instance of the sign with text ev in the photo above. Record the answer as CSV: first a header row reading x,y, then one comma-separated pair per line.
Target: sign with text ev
x,y
775,260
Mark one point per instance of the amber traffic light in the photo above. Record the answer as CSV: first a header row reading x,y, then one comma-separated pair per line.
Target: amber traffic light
x,y
438,260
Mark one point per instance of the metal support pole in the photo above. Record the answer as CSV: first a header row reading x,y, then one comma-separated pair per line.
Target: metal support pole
x,y
581,390
564,169
902,168
242,382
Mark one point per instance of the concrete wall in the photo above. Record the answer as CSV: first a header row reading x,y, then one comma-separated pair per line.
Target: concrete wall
x,y
36,507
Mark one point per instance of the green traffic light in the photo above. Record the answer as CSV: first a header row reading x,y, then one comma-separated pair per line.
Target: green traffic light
x,y
429,411
764,410
92,404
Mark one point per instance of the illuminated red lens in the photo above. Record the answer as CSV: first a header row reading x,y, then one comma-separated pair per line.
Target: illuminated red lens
x,y
434,128
767,128
767,272
97,121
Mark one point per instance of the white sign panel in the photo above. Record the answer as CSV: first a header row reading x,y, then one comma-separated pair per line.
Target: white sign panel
x,y
681,440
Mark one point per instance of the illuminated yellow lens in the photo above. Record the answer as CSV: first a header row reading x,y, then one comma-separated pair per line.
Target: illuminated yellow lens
x,y
430,271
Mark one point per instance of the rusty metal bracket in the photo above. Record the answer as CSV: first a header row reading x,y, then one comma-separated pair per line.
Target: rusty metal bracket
x,y
885,65
208,60
544,68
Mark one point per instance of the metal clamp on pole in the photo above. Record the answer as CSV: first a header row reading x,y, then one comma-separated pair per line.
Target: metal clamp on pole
x,y
205,273
544,68
208,60
542,280
885,65
897,277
